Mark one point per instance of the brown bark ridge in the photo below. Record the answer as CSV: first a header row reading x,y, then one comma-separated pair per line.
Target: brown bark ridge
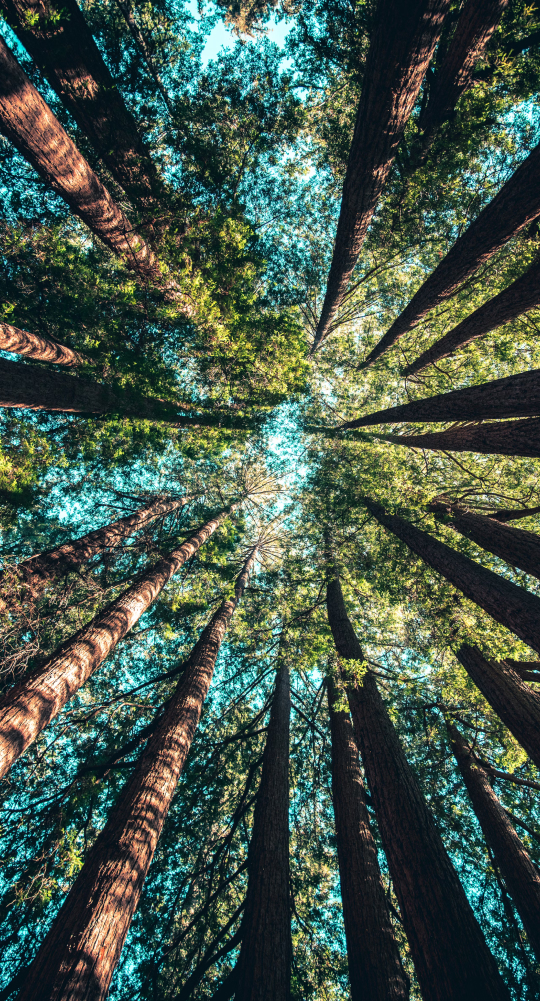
x,y
512,606
496,438
21,342
32,703
515,702
60,42
520,296
375,969
263,970
528,670
40,570
514,514
515,545
403,41
520,875
516,205
79,954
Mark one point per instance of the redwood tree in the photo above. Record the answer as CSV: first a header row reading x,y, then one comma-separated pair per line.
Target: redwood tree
x,y
21,342
496,438
516,546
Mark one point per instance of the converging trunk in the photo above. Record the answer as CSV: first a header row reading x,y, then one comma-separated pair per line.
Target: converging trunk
x,y
518,547
501,438
21,342
520,875
514,514
403,40
512,606
32,703
79,954
263,970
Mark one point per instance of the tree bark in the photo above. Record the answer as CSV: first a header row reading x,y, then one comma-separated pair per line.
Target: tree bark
x,y
403,41
21,342
79,954
528,670
520,875
264,963
515,702
516,205
60,42
32,703
518,547
497,438
512,606
514,514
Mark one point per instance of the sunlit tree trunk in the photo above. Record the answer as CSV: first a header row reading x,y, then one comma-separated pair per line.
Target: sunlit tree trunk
x,y
516,546
403,40
512,606
497,438
21,342
31,704
79,954
515,702
520,875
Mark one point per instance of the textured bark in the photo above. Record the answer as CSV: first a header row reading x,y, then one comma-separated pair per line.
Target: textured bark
x,y
79,954
60,42
264,963
528,670
515,702
515,545
497,438
516,205
21,342
31,704
520,875
520,296
403,41
512,606
514,514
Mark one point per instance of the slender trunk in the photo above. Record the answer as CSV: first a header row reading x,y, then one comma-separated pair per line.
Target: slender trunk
x,y
79,954
521,876
264,963
518,547
38,571
375,969
403,41
31,704
498,438
516,205
21,342
60,42
528,670
514,514
512,606
515,702
520,296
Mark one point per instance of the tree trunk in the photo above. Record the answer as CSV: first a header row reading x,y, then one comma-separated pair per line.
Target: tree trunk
x,y
520,875
264,963
498,438
375,969
403,41
60,42
79,954
512,606
515,702
40,570
528,670
32,703
21,342
520,296
516,205
518,547
514,514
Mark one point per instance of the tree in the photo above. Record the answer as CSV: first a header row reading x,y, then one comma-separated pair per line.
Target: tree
x,y
497,438
516,546
21,342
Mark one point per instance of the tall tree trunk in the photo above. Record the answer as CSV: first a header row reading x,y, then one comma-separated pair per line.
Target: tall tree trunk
x,y
521,876
520,296
403,40
21,342
515,702
518,547
498,438
79,954
264,963
451,958
528,670
514,514
516,205
40,570
512,606
32,703
375,969
60,42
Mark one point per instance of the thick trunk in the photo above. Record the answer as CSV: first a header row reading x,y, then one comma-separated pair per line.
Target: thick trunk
x,y
31,704
512,606
528,670
515,702
375,969
78,956
60,42
520,296
520,875
516,546
498,438
516,205
403,41
514,514
264,964
21,342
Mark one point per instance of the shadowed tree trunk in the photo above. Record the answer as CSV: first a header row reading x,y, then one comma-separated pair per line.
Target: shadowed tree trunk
x,y
515,702
403,41
528,670
79,954
21,342
32,703
60,42
512,606
498,438
263,970
516,546
520,875
514,514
